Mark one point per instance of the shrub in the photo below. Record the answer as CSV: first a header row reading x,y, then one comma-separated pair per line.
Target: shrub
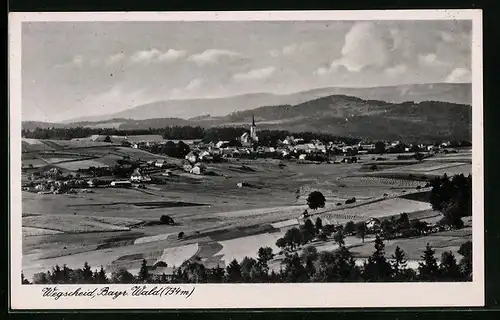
x,y
164,219
352,200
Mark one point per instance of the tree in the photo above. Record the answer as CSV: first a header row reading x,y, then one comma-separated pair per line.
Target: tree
x,y
143,272
378,268
309,256
180,235
403,222
399,263
294,269
338,237
100,277
122,276
247,265
308,231
449,269
164,219
428,269
182,149
387,228
87,273
233,272
318,224
41,278
216,275
107,139
293,238
24,280
465,263
349,228
316,200
379,147
361,230
265,254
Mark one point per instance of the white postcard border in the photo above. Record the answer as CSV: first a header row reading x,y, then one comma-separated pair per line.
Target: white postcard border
x,y
213,296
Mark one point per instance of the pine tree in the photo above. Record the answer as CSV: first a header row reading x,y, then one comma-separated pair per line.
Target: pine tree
x,y
100,277
428,269
233,272
466,261
339,238
24,280
143,272
378,268
87,273
449,270
294,269
399,264
318,224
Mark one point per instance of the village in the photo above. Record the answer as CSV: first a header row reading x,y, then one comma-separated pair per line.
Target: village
x,y
196,154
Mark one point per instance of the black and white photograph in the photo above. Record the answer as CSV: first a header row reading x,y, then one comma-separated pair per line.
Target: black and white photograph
x,y
250,150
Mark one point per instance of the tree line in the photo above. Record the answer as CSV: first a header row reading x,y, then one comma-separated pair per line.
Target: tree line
x,y
307,266
267,137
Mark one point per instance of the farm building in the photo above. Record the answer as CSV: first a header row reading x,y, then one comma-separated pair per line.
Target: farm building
x,y
192,157
121,184
160,163
195,170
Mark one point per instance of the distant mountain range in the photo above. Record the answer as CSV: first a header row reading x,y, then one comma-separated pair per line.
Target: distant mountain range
x,y
455,93
409,112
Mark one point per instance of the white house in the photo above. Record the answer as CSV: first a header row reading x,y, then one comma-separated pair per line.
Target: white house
x,y
221,143
160,163
195,170
136,176
192,157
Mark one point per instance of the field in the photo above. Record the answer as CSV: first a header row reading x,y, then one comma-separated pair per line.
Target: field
x,y
117,227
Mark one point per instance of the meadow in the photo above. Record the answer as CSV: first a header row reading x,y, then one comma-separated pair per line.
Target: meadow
x,y
112,226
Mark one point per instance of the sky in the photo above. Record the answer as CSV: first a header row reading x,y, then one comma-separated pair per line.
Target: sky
x,y
75,69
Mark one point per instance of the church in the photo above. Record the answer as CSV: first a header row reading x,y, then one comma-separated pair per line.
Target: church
x,y
249,138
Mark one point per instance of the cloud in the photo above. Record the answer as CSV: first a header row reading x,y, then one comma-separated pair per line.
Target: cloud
x,y
155,55
365,45
172,55
321,71
396,70
78,61
256,74
116,58
145,56
459,75
431,60
212,56
291,49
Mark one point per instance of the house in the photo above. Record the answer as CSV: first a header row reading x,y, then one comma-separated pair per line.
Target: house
x,y
192,157
195,170
220,144
204,154
372,223
136,176
302,156
167,173
160,163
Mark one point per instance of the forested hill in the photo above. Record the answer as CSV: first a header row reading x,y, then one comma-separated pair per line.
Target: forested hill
x,y
351,116
339,115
